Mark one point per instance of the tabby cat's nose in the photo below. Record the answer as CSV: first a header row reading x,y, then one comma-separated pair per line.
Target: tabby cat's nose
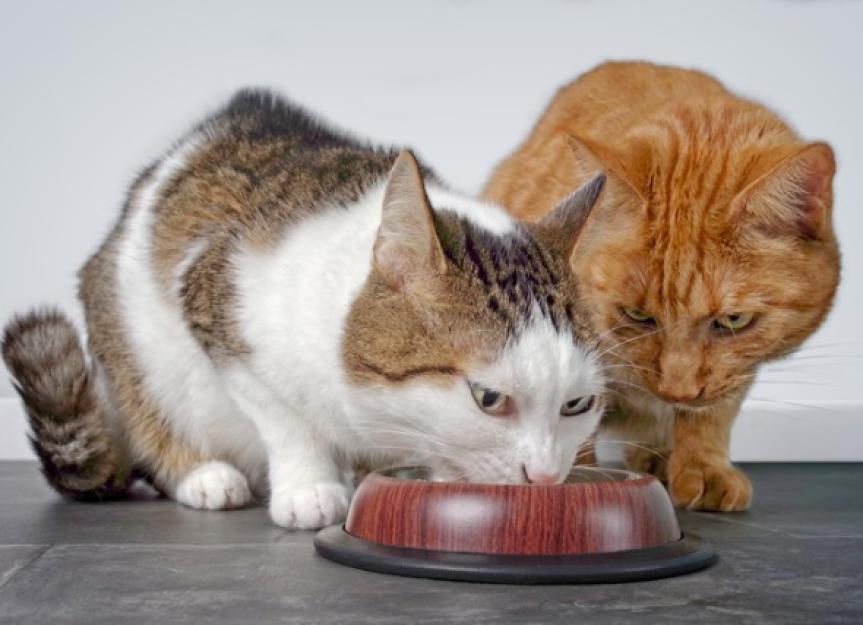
x,y
540,477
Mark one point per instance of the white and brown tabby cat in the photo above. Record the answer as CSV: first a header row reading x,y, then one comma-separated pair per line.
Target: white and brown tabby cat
x,y
279,301
711,253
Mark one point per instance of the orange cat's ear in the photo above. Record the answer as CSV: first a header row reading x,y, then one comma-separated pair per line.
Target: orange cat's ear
x,y
623,173
407,251
794,197
567,219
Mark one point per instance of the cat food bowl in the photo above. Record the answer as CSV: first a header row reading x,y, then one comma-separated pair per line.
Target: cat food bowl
x,y
600,526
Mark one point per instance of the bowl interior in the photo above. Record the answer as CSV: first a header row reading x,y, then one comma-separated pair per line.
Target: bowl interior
x,y
578,475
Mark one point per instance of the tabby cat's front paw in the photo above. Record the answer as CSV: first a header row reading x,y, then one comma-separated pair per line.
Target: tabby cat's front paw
x,y
703,486
310,506
214,486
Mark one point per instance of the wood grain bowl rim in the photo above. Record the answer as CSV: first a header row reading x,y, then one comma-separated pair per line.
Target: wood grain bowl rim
x,y
631,479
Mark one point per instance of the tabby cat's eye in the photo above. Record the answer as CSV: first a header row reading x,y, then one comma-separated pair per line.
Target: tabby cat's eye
x,y
637,315
577,406
490,401
733,321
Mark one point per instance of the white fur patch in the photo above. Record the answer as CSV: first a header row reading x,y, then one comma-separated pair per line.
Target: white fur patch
x,y
293,301
548,369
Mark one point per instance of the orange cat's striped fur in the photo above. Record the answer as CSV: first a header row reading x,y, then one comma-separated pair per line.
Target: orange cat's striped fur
x,y
711,252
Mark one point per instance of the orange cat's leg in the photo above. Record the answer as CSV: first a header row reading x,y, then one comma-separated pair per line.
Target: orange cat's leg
x,y
700,474
646,459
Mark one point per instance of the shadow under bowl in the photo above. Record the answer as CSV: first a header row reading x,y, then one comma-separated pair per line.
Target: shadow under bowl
x,y
600,526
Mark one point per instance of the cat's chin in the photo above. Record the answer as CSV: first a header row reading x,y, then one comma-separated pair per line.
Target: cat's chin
x,y
704,405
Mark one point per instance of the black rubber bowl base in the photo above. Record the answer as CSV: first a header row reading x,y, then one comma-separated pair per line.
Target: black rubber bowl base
x,y
686,555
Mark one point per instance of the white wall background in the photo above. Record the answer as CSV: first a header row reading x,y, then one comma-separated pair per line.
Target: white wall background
x,y
90,91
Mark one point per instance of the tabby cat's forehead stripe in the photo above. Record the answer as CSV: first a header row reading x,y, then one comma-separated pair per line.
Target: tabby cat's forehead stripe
x,y
516,274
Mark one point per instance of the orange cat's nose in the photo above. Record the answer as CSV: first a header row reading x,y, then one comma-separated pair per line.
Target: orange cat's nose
x,y
679,395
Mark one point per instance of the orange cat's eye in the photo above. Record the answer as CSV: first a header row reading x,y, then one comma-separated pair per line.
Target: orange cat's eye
x,y
733,322
639,316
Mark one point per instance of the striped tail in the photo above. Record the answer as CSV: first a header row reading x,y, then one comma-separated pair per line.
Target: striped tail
x,y
68,431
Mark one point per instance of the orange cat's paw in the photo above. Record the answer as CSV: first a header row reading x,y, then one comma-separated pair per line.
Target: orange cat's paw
x,y
702,486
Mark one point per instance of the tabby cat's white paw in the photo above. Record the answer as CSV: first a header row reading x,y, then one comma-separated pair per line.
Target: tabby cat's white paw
x,y
309,506
214,486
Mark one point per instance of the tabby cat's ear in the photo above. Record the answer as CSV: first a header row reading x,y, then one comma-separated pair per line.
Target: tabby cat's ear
x,y
567,219
407,251
794,197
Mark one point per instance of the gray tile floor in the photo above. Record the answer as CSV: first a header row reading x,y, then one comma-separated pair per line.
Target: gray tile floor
x,y
796,557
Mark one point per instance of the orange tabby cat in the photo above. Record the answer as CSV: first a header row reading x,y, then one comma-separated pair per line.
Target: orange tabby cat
x,y
712,251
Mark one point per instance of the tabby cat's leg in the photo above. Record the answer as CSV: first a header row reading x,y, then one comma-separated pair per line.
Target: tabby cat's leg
x,y
700,474
173,465
306,486
181,471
